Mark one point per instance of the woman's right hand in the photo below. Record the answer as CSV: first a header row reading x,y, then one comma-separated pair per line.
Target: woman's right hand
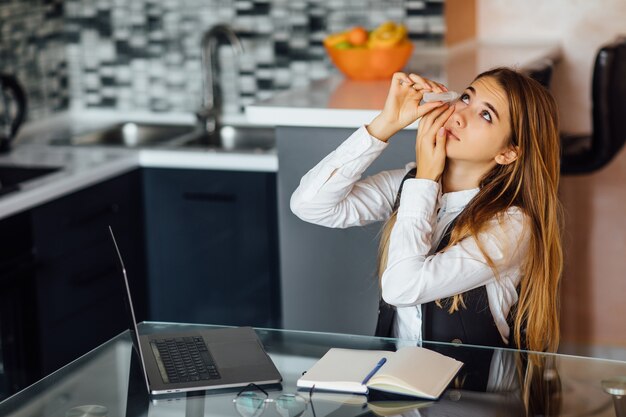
x,y
430,144
402,106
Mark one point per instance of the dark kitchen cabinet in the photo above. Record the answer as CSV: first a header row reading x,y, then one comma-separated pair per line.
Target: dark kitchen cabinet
x,y
19,359
212,250
207,240
78,286
60,287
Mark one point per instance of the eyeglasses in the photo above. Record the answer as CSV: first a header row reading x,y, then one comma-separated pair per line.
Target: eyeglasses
x,y
252,404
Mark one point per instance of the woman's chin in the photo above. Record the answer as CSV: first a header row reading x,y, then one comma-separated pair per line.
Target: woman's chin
x,y
451,147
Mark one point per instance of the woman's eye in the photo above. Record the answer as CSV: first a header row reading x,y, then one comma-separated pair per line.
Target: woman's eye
x,y
465,98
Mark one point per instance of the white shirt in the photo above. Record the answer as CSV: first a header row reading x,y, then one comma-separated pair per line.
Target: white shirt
x,y
332,194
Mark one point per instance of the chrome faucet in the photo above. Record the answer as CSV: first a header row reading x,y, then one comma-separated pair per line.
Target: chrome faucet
x,y
209,115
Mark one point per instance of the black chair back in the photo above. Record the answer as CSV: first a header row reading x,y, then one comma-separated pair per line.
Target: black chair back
x,y
608,111
609,101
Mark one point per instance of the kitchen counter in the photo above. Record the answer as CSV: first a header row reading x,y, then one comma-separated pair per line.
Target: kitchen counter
x,y
82,166
341,102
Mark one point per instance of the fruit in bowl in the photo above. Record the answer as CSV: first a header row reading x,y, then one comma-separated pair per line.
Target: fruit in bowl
x,y
375,55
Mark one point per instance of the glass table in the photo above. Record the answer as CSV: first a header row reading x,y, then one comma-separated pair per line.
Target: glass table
x,y
493,382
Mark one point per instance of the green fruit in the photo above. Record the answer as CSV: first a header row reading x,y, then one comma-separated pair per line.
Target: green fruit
x,y
343,45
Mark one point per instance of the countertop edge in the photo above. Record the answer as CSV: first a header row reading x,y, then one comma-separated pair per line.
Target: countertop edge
x,y
33,196
36,193
333,118
253,162
259,114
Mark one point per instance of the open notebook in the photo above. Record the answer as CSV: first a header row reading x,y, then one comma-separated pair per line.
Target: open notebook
x,y
411,370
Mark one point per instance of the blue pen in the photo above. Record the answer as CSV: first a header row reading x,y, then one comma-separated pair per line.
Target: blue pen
x,y
373,371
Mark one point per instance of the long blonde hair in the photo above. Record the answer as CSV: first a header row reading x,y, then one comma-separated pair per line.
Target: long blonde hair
x,y
530,183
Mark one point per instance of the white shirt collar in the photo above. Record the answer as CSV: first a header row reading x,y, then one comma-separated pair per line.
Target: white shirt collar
x,y
450,202
457,200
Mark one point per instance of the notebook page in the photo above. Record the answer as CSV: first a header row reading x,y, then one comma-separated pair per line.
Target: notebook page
x,y
421,370
342,370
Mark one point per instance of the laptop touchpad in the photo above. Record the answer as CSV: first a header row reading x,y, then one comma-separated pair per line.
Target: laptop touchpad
x,y
231,355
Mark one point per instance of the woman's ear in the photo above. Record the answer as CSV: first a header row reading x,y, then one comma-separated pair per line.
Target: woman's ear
x,y
509,155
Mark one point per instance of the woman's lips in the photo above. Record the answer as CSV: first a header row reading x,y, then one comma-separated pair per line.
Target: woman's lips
x,y
452,135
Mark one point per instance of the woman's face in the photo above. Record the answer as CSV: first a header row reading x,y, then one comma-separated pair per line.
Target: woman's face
x,y
480,127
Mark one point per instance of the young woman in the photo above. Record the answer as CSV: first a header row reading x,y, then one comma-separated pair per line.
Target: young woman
x,y
471,248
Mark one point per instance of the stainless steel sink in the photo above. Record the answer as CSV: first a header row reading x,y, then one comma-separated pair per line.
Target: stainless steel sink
x,y
128,134
230,139
11,176
170,136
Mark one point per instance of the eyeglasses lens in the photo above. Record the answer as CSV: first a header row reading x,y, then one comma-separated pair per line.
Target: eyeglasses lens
x,y
290,405
250,404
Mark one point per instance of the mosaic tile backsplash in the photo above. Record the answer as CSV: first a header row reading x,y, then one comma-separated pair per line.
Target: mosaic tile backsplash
x,y
145,55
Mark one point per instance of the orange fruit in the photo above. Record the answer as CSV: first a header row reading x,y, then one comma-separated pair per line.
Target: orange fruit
x,y
357,36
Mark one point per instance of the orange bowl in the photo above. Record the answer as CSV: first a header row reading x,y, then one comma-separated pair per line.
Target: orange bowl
x,y
371,64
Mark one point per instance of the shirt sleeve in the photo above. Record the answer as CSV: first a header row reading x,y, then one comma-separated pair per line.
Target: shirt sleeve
x,y
414,277
332,193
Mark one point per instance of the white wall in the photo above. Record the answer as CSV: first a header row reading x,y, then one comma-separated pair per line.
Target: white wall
x,y
594,283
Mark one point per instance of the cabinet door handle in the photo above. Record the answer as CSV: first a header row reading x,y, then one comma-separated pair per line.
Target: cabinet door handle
x,y
209,197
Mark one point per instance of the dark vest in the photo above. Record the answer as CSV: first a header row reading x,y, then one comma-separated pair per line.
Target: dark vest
x,y
472,325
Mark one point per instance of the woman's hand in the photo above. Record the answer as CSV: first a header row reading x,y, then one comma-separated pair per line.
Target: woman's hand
x,y
402,106
430,144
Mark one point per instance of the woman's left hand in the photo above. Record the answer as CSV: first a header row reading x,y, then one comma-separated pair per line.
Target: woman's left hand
x,y
430,144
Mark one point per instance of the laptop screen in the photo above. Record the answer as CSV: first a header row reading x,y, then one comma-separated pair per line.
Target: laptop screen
x,y
128,302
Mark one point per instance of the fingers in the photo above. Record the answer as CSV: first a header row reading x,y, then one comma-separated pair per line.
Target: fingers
x,y
423,83
429,120
444,115
426,108
440,141
432,123
405,95
430,155
437,116
431,126
417,82
442,87
400,78
426,84
439,150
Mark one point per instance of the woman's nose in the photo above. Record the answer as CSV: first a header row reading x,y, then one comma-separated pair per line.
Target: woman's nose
x,y
458,118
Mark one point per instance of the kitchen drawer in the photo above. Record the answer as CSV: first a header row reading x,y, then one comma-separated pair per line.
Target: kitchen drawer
x,y
82,218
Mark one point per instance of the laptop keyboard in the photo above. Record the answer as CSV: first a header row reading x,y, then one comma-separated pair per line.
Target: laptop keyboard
x,y
185,359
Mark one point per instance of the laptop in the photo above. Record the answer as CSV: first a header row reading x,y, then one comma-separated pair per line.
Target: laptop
x,y
197,360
